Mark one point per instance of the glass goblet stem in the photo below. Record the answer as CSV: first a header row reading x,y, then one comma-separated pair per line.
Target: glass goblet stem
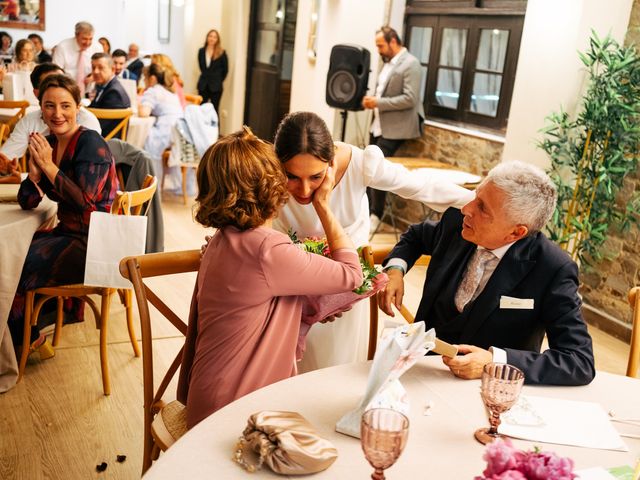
x,y
494,420
378,474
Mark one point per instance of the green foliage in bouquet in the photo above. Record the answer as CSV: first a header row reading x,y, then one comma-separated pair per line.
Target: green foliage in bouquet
x,y
591,155
319,246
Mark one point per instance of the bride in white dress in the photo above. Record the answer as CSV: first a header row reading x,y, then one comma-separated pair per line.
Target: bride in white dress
x,y
304,145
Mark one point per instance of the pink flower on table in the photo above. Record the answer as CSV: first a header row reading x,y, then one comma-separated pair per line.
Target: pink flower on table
x,y
501,456
547,465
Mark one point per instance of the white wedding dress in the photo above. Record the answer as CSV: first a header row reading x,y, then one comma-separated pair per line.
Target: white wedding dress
x,y
346,339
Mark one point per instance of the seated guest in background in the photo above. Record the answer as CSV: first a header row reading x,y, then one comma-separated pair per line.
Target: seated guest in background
x,y
74,54
247,303
5,44
16,145
42,56
134,63
158,100
24,60
172,76
119,58
109,91
496,284
73,167
106,45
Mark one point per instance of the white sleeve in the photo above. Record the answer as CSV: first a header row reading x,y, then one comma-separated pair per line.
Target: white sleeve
x,y
16,144
416,185
89,120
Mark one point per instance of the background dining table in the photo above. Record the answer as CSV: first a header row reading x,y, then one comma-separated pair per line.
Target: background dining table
x,y
138,130
441,445
17,227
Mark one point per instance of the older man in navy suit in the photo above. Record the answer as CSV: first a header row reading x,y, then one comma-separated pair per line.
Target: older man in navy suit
x,y
109,93
496,285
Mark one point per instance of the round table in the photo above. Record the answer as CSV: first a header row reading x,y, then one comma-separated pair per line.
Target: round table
x,y
138,130
440,445
17,227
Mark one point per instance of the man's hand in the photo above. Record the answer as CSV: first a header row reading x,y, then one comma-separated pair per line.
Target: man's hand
x,y
393,292
8,167
469,365
369,102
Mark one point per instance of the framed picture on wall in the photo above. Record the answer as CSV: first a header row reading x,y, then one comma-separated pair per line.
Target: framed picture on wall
x,y
25,14
164,20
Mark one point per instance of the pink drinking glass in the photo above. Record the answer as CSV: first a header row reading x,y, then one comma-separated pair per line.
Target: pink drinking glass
x,y
383,434
500,389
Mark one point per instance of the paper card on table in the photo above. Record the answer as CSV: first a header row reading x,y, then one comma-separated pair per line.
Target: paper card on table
x,y
564,422
597,473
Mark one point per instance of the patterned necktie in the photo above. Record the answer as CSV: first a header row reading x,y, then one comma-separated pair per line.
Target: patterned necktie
x,y
472,277
80,74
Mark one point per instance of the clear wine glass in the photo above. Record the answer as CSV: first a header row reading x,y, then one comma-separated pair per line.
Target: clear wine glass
x,y
383,434
501,385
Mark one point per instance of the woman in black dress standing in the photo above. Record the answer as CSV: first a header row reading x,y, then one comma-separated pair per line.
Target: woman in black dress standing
x,y
214,67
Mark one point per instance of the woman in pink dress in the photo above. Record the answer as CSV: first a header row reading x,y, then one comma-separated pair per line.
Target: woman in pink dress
x,y
247,304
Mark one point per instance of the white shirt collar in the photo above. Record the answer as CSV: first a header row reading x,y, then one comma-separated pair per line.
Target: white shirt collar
x,y
397,56
500,251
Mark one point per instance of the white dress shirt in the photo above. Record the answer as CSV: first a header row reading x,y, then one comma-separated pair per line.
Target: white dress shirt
x,y
66,55
383,78
16,145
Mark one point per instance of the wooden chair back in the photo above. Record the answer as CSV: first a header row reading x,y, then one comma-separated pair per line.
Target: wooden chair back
x,y
634,352
136,269
375,256
4,133
193,99
20,105
131,203
122,114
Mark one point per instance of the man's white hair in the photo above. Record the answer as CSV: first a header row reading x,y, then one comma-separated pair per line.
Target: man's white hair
x,y
83,27
531,195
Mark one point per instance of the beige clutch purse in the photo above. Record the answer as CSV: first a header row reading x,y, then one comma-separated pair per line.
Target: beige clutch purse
x,y
286,442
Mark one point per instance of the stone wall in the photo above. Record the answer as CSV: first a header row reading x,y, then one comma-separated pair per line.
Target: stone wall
x,y
469,153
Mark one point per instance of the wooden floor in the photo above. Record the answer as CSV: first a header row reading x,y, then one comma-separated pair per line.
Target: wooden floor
x,y
56,424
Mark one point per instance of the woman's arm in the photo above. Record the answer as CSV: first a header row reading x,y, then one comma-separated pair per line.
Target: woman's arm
x,y
416,185
224,65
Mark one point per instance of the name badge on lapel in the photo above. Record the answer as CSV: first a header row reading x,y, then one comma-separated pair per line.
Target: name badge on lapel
x,y
516,303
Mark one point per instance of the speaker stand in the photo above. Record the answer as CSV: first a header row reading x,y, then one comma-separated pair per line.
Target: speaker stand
x,y
343,132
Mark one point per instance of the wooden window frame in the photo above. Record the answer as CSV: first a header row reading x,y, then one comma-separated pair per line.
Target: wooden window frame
x,y
438,19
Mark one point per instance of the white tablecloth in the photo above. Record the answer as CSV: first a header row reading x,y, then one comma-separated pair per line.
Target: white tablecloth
x,y
139,130
17,227
440,446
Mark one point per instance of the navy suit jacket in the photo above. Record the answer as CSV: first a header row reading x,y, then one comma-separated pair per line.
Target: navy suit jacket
x,y
533,268
136,67
113,95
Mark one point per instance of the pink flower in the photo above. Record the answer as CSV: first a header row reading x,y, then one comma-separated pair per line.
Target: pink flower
x,y
500,456
504,462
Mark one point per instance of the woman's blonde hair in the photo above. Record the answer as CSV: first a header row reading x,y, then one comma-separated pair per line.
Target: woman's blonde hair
x,y
241,183
170,73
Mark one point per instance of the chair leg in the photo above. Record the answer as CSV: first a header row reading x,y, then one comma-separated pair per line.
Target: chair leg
x,y
59,319
128,305
104,322
26,336
183,170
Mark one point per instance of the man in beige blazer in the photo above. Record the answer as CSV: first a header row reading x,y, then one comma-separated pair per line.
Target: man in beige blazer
x,y
397,110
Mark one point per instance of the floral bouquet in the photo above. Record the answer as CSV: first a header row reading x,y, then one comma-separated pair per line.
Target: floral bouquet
x,y
319,307
505,462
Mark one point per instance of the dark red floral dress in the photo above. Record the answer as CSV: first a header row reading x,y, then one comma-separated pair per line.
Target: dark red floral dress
x,y
86,182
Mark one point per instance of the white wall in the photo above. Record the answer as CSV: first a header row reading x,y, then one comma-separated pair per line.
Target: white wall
x,y
550,74
353,21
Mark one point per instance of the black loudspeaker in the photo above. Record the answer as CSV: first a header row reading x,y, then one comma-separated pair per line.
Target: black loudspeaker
x,y
348,76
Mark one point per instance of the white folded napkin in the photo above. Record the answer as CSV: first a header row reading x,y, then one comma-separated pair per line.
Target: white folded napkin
x,y
396,353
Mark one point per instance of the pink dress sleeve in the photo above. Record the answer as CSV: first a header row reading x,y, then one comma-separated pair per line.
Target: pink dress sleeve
x,y
290,271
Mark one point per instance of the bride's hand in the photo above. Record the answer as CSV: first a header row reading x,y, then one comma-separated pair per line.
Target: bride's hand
x,y
323,193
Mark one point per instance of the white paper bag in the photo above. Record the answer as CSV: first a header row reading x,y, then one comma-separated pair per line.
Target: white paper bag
x,y
111,238
396,353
